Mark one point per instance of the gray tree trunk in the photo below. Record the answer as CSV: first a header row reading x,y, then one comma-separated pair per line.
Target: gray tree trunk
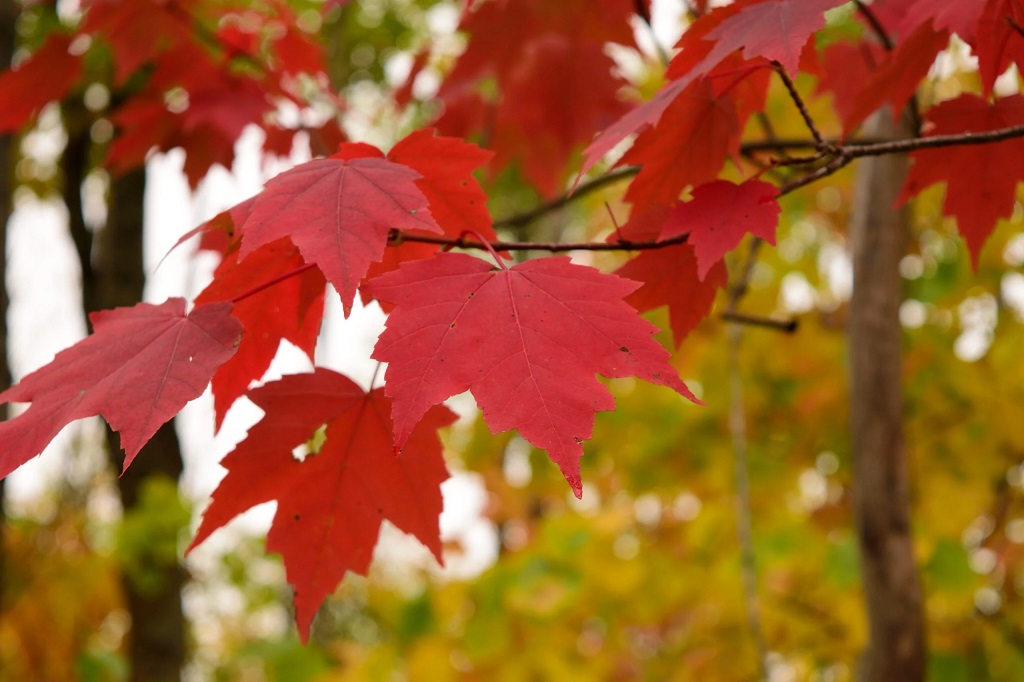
x,y
892,587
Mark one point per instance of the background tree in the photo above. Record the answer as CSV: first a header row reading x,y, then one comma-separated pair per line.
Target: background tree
x,y
741,105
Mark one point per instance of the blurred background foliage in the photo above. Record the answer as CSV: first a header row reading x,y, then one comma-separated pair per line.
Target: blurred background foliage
x,y
642,579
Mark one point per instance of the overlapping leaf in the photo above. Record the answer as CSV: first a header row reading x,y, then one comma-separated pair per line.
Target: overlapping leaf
x,y
138,369
290,310
668,276
330,506
776,30
981,180
46,76
338,213
720,214
526,341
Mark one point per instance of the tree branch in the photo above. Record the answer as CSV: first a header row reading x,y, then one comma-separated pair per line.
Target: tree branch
x,y
844,154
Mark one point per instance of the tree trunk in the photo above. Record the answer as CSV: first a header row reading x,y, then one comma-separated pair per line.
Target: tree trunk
x,y
113,275
8,17
158,623
892,587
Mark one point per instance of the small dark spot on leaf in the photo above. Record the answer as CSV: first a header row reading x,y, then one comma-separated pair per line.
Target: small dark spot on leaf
x,y
472,294
577,439
295,518
452,326
623,349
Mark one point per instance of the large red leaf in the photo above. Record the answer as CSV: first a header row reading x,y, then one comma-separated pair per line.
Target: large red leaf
x,y
331,504
138,369
981,180
526,341
291,310
338,213
46,76
720,215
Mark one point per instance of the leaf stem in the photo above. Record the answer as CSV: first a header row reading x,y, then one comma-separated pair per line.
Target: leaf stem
x,y
266,285
483,242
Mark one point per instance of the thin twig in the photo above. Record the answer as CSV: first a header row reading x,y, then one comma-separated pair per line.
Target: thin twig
x,y
741,467
819,141
787,326
876,25
398,237
527,217
883,37
844,154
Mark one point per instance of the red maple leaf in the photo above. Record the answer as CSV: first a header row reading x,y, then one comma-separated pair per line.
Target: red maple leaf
x,y
455,198
290,310
776,30
138,369
331,504
46,76
540,55
981,180
999,40
695,135
139,32
338,213
446,164
668,276
863,77
956,16
720,215
527,341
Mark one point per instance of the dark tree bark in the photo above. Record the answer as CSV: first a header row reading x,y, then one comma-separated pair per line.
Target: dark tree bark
x,y
8,17
113,275
892,586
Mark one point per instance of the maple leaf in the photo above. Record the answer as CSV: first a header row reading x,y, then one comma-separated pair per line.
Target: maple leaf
x,y
776,30
720,214
694,137
456,200
668,276
139,367
540,55
956,16
291,310
527,341
338,213
999,41
863,77
446,166
46,76
330,506
140,31
981,180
